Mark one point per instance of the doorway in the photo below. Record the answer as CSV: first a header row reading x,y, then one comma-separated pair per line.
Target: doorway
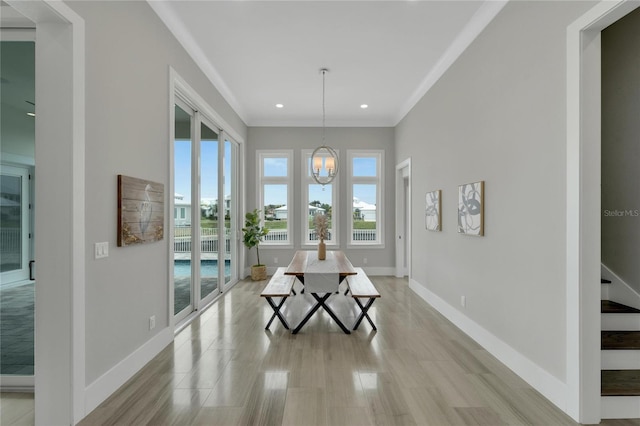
x,y
17,176
583,239
403,219
204,242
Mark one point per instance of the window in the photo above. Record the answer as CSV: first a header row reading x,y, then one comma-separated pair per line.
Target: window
x,y
365,190
317,199
274,195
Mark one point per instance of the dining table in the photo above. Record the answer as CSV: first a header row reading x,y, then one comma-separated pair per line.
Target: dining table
x,y
322,280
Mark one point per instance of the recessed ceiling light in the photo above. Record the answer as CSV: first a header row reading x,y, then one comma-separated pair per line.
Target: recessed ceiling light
x,y
279,106
364,106
31,114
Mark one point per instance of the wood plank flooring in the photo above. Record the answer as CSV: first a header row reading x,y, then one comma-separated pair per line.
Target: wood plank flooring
x,y
609,307
226,369
620,382
613,339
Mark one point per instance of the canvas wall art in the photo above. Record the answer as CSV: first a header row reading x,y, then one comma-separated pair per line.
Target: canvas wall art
x,y
140,211
433,218
471,208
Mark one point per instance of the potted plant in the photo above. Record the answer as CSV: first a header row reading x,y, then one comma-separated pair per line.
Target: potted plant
x,y
253,235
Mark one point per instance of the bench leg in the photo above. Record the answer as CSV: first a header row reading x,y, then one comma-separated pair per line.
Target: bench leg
x,y
277,313
364,313
321,303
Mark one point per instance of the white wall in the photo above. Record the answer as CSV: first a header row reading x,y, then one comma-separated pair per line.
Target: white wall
x,y
128,55
341,139
621,148
498,115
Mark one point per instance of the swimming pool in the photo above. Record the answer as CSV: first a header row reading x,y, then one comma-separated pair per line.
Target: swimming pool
x,y
209,268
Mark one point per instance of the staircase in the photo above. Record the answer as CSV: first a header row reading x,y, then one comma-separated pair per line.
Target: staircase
x,y
620,376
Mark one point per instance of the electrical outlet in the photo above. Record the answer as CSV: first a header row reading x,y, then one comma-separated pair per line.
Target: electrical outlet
x,y
463,301
275,260
364,261
152,322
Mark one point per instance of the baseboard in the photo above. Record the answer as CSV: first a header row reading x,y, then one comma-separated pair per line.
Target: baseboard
x,y
548,385
109,382
619,291
620,407
380,271
17,384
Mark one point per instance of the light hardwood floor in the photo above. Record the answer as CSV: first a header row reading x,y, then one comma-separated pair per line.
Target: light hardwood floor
x,y
226,369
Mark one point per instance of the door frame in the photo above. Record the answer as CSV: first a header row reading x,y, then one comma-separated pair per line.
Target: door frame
x,y
180,89
583,245
60,297
403,220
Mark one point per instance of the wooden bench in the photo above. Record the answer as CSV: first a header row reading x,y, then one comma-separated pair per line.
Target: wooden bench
x,y
280,285
361,287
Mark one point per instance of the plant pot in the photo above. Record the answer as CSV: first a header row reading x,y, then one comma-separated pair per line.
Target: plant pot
x,y
259,272
322,250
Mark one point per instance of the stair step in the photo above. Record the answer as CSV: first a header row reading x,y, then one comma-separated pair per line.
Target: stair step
x,y
617,339
620,382
604,281
609,307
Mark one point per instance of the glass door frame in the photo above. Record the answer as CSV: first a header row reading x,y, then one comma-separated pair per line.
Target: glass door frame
x,y
196,185
234,204
185,97
195,272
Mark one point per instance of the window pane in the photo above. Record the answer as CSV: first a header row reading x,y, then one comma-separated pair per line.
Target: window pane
x,y
364,212
276,212
364,166
275,167
229,259
182,201
320,201
209,242
11,223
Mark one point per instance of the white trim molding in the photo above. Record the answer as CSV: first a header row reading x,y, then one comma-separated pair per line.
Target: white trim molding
x,y
60,300
619,291
548,385
109,382
479,21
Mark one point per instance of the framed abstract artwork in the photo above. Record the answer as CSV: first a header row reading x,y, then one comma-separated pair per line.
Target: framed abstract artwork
x,y
471,208
433,217
140,211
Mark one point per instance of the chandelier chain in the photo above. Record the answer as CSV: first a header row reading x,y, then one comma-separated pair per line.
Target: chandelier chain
x,y
324,72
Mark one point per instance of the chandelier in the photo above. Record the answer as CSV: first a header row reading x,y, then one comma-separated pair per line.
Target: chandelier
x,y
324,159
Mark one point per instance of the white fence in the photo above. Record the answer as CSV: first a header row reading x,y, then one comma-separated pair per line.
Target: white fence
x,y
358,235
10,240
209,241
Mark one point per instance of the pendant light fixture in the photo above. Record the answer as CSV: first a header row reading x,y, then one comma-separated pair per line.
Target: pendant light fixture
x,y
324,159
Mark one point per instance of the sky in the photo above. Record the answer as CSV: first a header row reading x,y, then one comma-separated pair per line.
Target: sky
x,y
209,169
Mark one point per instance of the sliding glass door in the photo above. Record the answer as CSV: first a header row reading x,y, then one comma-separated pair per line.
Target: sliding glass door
x,y
204,215
230,225
209,212
183,154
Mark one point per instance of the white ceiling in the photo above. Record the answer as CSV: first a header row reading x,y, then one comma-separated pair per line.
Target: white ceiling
x,y
386,54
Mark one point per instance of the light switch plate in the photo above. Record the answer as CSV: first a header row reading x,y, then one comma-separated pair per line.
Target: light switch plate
x,y
101,250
